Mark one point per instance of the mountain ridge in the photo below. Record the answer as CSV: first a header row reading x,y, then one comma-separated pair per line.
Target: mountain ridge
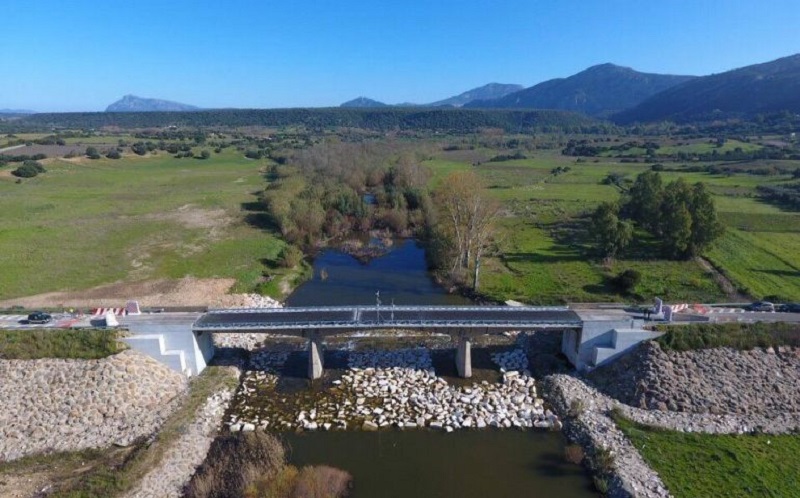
x,y
132,103
598,91
362,102
742,92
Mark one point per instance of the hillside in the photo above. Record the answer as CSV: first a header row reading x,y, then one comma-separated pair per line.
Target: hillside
x,y
598,91
760,88
485,92
362,102
16,112
132,103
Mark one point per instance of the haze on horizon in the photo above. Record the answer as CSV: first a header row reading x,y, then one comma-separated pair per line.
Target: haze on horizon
x,y
81,56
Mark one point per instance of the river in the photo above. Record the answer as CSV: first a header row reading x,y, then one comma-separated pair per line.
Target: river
x,y
423,463
401,276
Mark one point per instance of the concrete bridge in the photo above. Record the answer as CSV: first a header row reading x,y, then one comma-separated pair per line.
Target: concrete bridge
x,y
462,322
590,337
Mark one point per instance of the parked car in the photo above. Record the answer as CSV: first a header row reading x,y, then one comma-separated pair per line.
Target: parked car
x,y
39,317
761,306
789,308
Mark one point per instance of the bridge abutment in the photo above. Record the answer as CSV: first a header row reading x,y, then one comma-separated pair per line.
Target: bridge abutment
x,y
464,357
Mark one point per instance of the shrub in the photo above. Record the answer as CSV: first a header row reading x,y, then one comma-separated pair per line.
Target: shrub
x,y
604,460
321,482
601,484
29,169
574,454
627,280
290,257
91,153
113,154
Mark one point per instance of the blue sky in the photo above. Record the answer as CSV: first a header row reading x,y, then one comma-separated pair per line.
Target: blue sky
x,y
77,55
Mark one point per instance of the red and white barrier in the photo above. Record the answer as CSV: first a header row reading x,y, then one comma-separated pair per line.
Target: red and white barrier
x,y
103,311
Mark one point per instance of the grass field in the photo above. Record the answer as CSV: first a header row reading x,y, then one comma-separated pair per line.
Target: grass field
x,y
76,344
546,257
86,223
695,465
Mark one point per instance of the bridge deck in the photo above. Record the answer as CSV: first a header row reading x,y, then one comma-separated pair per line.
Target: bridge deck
x,y
402,317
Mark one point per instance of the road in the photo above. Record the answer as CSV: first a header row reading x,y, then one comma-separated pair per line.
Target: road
x,y
65,320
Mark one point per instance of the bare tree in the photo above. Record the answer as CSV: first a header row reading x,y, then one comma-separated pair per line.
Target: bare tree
x,y
467,219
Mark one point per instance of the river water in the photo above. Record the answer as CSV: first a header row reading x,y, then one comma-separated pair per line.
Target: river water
x,y
401,275
423,463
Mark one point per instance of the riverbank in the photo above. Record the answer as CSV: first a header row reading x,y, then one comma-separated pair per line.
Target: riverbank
x,y
187,452
718,391
52,405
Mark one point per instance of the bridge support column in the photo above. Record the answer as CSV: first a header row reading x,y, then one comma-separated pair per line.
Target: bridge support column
x,y
464,357
314,357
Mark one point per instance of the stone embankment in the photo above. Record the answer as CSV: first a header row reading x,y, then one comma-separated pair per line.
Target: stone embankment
x,y
591,425
247,341
396,388
55,405
712,381
714,391
181,460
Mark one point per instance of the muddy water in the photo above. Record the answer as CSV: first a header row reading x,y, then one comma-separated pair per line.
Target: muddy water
x,y
426,464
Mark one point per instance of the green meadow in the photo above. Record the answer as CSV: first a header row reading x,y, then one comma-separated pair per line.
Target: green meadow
x,y
86,223
545,256
720,465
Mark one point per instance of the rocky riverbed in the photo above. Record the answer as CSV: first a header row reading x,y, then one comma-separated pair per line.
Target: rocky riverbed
x,y
54,405
382,389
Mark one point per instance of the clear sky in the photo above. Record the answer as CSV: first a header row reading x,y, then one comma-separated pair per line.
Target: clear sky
x,y
81,55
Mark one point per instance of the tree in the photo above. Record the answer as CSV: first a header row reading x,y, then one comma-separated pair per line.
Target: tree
x,y
706,227
643,202
466,221
676,219
611,234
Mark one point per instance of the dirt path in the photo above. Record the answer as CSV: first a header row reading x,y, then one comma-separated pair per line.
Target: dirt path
x,y
725,284
188,291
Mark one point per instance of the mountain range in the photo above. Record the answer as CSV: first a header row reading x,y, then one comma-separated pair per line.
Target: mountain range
x,y
132,103
608,91
489,91
745,92
16,111
597,91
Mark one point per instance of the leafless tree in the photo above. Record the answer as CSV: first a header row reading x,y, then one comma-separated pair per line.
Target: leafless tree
x,y
467,217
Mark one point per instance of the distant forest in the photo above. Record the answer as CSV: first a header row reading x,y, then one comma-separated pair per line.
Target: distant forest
x,y
383,120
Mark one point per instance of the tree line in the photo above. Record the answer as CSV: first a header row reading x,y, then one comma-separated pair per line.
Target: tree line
x,y
438,120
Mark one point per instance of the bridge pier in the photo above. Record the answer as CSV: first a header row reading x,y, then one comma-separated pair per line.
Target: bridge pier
x,y
464,357
314,357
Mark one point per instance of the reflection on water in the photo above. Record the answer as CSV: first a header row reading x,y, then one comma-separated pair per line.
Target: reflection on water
x,y
400,275
422,463
466,464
